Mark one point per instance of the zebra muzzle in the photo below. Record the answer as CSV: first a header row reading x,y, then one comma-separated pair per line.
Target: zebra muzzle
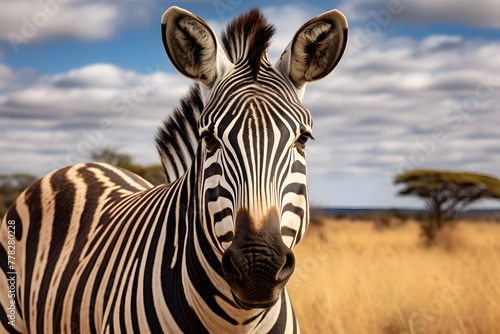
x,y
258,264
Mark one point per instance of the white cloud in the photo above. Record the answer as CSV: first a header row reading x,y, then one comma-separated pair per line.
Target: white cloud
x,y
53,120
96,75
480,13
24,21
440,42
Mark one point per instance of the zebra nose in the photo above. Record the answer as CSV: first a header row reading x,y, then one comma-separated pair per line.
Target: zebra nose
x,y
288,267
254,254
235,265
229,268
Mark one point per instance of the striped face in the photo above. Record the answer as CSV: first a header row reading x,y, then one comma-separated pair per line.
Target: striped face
x,y
253,136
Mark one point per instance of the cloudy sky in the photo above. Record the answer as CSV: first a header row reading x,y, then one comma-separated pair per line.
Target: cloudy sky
x,y
418,87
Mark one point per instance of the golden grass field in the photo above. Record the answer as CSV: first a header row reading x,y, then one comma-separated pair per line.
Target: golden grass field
x,y
353,278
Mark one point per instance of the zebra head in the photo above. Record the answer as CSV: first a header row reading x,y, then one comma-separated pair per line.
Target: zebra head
x,y
252,131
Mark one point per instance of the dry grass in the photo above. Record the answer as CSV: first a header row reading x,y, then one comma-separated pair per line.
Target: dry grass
x,y
353,278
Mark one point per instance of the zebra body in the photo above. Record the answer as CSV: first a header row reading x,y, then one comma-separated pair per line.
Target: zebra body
x,y
99,250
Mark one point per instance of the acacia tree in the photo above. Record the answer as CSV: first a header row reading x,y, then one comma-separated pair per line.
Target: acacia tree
x,y
445,193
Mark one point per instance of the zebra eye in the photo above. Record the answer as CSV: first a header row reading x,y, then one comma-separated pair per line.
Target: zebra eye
x,y
210,141
304,137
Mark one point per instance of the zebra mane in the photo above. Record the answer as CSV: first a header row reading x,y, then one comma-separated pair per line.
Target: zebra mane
x,y
177,138
246,39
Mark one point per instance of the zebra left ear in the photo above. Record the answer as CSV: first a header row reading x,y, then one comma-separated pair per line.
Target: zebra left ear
x,y
192,46
315,49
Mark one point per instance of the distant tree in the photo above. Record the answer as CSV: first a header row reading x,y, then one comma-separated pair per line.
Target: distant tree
x,y
153,173
445,193
16,181
111,156
11,186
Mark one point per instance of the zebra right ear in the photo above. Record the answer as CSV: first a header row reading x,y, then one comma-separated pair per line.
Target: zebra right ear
x,y
192,46
315,49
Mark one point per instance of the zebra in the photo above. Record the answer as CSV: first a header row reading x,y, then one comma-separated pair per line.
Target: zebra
x,y
93,248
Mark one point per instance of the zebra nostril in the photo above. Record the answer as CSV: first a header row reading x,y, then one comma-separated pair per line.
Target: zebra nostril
x,y
288,267
229,268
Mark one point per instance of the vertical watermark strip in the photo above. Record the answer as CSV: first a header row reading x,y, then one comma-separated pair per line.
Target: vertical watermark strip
x,y
11,274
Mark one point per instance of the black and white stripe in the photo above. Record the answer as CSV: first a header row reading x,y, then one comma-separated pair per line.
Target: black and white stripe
x,y
99,250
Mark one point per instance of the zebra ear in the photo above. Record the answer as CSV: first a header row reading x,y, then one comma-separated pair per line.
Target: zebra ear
x,y
315,49
191,46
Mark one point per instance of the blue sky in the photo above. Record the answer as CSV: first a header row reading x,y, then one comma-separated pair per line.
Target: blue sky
x,y
418,87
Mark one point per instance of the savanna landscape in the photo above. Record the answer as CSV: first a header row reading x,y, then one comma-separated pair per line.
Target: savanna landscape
x,y
378,271
354,277
408,121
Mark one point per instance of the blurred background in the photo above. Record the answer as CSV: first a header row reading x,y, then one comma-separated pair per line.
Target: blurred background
x,y
417,88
